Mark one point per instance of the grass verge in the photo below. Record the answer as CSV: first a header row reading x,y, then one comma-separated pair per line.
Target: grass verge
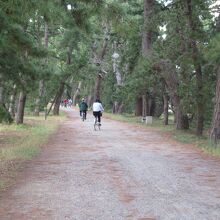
x,y
20,143
185,137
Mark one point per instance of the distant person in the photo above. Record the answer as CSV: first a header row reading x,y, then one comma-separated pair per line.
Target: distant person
x,y
83,107
97,110
65,102
70,102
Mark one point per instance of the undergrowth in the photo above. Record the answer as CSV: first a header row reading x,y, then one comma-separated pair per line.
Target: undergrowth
x,y
185,137
19,143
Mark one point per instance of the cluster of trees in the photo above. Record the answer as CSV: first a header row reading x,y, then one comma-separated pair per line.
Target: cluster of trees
x,y
38,42
138,56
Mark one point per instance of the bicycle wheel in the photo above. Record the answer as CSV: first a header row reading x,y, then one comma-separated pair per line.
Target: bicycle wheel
x,y
83,116
95,120
96,124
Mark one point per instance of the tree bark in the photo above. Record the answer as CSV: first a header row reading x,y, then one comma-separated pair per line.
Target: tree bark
x,y
117,104
1,95
152,106
59,95
147,31
144,106
182,121
198,69
147,47
1,90
115,107
98,61
21,107
167,70
138,107
38,102
121,108
165,108
89,100
215,129
61,88
12,102
90,97
76,94
42,86
5,115
116,70
97,90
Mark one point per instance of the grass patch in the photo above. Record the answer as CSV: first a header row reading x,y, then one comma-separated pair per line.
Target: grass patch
x,y
20,143
157,123
185,137
208,147
125,117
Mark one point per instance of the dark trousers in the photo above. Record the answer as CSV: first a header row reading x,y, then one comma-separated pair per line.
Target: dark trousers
x,y
82,112
98,114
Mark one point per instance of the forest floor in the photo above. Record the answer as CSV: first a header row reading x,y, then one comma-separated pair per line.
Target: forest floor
x,y
122,172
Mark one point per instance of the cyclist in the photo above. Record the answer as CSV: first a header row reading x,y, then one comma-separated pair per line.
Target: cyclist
x,y
83,107
97,110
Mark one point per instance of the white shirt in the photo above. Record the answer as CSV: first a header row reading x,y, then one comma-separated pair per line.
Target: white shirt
x,y
97,107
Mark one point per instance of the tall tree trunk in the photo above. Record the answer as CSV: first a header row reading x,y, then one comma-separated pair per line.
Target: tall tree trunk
x,y
1,94
165,104
178,112
77,92
115,107
89,100
165,108
42,86
182,121
5,115
12,102
198,69
167,71
153,107
99,61
215,129
38,102
200,103
120,108
118,76
144,105
116,69
21,107
148,29
90,96
2,106
61,88
97,89
147,47
138,107
59,95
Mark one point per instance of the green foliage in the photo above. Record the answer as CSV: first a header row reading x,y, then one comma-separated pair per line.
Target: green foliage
x,y
77,30
212,52
5,116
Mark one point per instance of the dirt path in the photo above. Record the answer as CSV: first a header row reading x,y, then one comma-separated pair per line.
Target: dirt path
x,y
121,172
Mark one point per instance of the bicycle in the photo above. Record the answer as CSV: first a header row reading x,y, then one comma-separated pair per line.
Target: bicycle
x,y
97,125
83,116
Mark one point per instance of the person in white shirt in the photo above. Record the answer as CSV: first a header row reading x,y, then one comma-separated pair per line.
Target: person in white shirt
x,y
97,110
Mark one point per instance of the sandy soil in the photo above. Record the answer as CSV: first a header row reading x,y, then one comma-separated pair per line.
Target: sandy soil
x,y
120,172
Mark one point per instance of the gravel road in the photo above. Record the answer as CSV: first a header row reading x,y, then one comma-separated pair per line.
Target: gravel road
x,y
121,172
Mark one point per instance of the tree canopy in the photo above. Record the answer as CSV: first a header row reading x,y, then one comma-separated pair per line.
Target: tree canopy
x,y
144,57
